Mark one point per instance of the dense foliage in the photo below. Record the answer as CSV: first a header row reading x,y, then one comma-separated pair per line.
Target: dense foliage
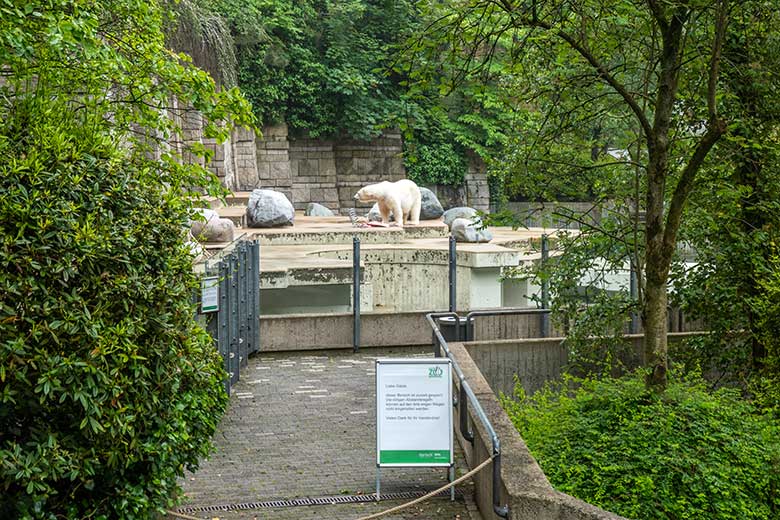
x,y
734,225
436,164
319,65
332,69
108,389
688,453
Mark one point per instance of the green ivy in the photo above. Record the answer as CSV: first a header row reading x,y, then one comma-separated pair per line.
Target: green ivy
x,y
438,163
320,65
686,453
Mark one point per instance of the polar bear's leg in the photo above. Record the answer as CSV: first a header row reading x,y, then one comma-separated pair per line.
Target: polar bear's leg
x,y
398,213
384,211
414,213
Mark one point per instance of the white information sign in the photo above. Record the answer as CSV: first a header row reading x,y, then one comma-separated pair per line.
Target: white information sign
x,y
414,412
209,294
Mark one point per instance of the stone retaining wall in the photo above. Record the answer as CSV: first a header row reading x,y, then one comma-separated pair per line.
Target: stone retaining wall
x,y
326,171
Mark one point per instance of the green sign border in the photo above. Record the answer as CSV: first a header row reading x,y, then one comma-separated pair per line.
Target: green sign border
x,y
423,457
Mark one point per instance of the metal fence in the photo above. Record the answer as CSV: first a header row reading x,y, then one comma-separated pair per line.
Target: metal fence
x,y
231,280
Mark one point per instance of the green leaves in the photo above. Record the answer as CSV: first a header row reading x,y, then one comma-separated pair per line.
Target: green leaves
x,y
689,453
319,65
438,163
108,389
101,361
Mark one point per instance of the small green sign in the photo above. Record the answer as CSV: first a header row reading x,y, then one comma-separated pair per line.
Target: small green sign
x,y
209,294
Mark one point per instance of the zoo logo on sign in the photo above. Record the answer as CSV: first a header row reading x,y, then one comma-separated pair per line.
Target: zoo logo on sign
x,y
435,372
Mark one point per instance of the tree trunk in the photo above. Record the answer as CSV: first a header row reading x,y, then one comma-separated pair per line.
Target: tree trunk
x,y
655,344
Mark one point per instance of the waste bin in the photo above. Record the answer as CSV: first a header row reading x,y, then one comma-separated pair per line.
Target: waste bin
x,y
448,329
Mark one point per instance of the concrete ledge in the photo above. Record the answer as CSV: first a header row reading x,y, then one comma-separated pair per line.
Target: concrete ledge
x,y
286,332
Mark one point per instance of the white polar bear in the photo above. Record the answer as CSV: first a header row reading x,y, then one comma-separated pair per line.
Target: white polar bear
x,y
401,198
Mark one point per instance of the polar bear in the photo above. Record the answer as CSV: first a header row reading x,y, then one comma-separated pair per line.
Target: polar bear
x,y
401,198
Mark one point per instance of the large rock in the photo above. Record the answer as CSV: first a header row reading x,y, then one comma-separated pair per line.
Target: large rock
x,y
317,210
465,231
269,208
374,215
460,212
209,227
430,208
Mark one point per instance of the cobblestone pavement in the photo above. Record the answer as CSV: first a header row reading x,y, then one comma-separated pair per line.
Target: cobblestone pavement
x,y
303,425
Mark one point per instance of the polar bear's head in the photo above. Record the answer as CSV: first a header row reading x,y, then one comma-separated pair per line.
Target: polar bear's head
x,y
370,193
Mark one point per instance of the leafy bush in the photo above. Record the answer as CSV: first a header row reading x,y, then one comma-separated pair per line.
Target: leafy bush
x,y
108,388
438,163
687,453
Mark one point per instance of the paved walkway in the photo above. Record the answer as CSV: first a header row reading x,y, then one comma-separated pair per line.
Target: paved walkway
x,y
303,425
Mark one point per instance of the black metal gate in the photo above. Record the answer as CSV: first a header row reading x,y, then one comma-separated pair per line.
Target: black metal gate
x,y
235,325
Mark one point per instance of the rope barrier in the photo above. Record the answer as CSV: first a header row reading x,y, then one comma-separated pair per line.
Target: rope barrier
x,y
431,494
182,515
394,509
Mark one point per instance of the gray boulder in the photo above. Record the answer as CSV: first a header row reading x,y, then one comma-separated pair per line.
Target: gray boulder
x,y
269,208
460,212
212,228
465,231
317,210
430,208
373,214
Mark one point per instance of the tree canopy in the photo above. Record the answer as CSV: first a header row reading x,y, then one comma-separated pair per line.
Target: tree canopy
x,y
621,100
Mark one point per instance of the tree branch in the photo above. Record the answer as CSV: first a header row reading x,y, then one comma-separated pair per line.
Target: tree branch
x,y
685,184
717,46
658,14
598,66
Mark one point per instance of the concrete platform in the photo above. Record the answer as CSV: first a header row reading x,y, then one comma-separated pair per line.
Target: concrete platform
x,y
308,267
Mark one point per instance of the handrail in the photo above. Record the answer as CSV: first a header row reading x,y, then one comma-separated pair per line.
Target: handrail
x,y
439,344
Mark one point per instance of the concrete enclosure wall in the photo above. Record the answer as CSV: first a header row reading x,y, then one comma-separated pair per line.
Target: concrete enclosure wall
x,y
535,361
334,330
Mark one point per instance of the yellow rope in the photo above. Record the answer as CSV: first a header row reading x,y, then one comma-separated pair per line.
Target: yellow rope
x,y
431,494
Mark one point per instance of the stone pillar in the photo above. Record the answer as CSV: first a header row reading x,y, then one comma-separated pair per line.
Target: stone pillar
x,y
245,160
222,164
192,133
313,165
273,160
477,188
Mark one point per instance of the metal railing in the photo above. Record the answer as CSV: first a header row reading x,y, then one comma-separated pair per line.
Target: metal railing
x,y
467,395
235,326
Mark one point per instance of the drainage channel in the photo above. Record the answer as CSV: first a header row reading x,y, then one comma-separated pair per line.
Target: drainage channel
x,y
316,501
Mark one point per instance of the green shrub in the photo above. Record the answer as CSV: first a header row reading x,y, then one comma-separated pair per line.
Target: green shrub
x,y
108,388
438,163
687,453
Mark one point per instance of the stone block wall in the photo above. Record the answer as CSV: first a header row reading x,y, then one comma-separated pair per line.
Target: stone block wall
x,y
314,176
326,171
273,161
359,163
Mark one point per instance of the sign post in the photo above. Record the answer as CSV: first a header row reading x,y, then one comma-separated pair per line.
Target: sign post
x,y
414,415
